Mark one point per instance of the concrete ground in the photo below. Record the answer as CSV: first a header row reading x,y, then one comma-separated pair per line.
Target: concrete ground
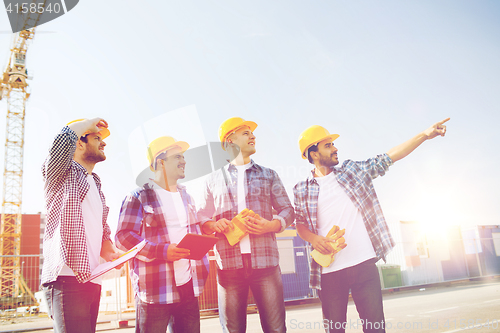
x,y
447,308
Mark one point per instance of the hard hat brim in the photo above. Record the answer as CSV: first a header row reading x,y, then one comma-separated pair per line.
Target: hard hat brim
x,y
333,137
104,132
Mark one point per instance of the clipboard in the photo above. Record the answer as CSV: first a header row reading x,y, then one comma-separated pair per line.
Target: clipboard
x,y
199,245
107,266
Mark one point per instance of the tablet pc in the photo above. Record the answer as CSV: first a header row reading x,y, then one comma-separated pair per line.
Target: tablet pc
x,y
199,245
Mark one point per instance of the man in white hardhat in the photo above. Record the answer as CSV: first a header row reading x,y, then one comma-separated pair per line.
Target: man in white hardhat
x,y
253,261
166,284
76,233
345,197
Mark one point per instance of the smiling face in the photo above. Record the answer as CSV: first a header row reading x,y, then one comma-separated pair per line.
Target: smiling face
x,y
94,148
245,140
174,165
326,155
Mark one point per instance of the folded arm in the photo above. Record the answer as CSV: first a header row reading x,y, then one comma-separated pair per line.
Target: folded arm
x,y
320,243
284,211
206,214
128,233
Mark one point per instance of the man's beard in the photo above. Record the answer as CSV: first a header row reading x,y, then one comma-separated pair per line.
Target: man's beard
x,y
327,161
93,157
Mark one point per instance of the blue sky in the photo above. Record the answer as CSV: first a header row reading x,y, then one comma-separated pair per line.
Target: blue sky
x,y
375,72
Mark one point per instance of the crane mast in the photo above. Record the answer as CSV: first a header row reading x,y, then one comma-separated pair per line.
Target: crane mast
x,y
14,89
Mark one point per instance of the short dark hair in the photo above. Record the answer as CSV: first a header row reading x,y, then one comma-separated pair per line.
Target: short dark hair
x,y
312,148
84,139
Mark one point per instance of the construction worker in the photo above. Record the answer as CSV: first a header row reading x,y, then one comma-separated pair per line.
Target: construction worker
x,y
253,261
345,197
166,284
76,233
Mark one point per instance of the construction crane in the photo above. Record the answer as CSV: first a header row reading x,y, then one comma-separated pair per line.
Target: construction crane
x,y
14,89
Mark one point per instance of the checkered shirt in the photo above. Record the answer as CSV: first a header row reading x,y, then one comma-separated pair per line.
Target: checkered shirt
x,y
263,192
356,179
142,217
66,186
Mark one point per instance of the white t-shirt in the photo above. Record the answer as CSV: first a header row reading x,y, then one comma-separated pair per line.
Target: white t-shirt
x,y
336,208
176,219
242,204
92,219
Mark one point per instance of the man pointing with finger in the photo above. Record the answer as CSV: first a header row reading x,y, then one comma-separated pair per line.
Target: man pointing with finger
x,y
252,262
346,197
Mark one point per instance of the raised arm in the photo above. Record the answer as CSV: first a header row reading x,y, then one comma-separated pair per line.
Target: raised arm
x,y
64,145
87,125
402,150
60,156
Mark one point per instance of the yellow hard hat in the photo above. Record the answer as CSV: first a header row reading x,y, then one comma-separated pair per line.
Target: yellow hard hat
x,y
312,136
104,132
232,124
161,145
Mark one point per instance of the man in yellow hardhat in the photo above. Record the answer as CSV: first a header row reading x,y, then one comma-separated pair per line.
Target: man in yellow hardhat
x,y
77,232
253,261
166,284
345,197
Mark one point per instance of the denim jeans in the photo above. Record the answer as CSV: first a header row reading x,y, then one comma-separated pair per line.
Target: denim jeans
x,y
185,314
73,306
364,282
267,289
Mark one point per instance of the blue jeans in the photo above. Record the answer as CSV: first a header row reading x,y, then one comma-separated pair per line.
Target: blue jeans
x,y
364,282
185,314
267,289
73,306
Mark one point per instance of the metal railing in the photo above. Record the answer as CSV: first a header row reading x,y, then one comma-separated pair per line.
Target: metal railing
x,y
24,302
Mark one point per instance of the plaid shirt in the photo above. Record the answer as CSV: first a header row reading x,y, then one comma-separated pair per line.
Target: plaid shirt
x,y
141,217
263,191
356,179
65,188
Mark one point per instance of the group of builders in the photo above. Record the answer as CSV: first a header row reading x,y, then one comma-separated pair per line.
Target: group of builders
x,y
335,209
